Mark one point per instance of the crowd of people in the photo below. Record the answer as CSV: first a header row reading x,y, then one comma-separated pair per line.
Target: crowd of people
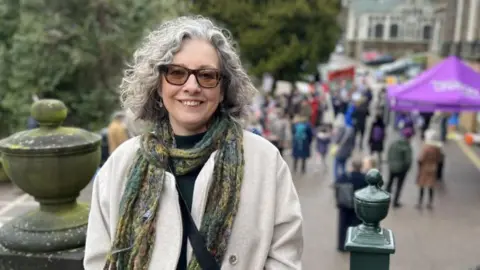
x,y
361,118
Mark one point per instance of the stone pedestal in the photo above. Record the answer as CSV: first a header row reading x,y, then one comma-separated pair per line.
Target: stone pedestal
x,y
53,164
63,260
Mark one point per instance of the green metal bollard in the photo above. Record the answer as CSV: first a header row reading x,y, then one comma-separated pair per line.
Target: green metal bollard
x,y
370,245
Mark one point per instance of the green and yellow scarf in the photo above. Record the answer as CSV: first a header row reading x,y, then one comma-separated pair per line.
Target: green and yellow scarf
x,y
135,233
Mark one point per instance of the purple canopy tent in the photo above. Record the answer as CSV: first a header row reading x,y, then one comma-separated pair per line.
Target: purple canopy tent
x,y
449,86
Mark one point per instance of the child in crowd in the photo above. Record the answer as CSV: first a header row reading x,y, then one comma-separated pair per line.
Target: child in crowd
x,y
324,138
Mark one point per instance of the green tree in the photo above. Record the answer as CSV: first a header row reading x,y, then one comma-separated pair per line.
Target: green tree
x,y
72,50
9,17
282,37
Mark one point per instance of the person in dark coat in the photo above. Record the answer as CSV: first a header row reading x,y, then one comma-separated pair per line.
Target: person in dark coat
x,y
377,136
337,104
347,216
399,163
368,95
302,135
427,117
359,118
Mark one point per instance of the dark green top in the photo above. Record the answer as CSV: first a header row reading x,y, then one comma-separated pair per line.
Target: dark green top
x,y
186,183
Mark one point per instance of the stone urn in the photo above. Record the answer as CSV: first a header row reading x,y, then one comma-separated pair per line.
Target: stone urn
x,y
53,164
371,206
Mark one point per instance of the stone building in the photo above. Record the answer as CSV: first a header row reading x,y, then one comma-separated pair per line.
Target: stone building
x,y
462,38
396,27
462,34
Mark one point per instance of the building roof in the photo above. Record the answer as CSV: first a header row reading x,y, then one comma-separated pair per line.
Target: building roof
x,y
387,6
374,6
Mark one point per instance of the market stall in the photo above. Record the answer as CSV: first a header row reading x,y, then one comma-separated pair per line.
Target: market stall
x,y
450,86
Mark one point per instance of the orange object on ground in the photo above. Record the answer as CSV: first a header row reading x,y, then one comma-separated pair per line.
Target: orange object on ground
x,y
469,138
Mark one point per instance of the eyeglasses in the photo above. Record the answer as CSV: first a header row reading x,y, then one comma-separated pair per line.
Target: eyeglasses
x,y
178,75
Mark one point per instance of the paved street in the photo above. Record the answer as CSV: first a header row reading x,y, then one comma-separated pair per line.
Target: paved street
x,y
438,239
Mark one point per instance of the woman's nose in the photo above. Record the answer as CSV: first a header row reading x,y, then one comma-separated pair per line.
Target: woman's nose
x,y
191,84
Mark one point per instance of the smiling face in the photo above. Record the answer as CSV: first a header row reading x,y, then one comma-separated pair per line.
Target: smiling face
x,y
190,106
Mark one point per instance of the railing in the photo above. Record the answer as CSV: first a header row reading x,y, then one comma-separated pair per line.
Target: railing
x,y
370,245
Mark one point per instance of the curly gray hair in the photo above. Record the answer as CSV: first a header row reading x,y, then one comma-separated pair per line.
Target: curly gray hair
x,y
141,79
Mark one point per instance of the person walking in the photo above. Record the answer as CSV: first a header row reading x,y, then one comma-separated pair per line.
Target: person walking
x,y
324,138
343,145
377,137
399,162
428,161
302,135
279,129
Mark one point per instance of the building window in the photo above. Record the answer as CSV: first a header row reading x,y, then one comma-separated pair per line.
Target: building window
x,y
427,32
379,30
393,31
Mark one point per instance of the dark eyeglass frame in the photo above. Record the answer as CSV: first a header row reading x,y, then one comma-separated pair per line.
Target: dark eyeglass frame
x,y
164,70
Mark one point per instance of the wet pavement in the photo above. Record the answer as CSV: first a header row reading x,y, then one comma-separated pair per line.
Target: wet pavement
x,y
443,238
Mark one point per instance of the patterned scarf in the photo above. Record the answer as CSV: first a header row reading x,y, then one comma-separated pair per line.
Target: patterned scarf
x,y
135,233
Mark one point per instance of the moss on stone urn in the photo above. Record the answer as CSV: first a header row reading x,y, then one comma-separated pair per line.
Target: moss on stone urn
x,y
53,164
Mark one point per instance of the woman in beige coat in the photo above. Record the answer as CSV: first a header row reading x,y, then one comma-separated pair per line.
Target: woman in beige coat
x,y
430,157
198,192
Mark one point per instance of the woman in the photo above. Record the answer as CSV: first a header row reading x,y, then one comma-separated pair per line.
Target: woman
x,y
344,144
377,137
430,157
302,136
279,128
197,170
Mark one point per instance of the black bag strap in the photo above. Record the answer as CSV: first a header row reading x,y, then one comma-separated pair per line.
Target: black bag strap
x,y
204,257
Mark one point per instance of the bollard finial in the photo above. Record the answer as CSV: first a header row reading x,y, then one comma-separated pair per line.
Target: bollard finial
x,y
371,207
371,203
374,178
49,112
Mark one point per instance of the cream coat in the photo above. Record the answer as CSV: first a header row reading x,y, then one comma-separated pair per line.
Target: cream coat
x,y
267,233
